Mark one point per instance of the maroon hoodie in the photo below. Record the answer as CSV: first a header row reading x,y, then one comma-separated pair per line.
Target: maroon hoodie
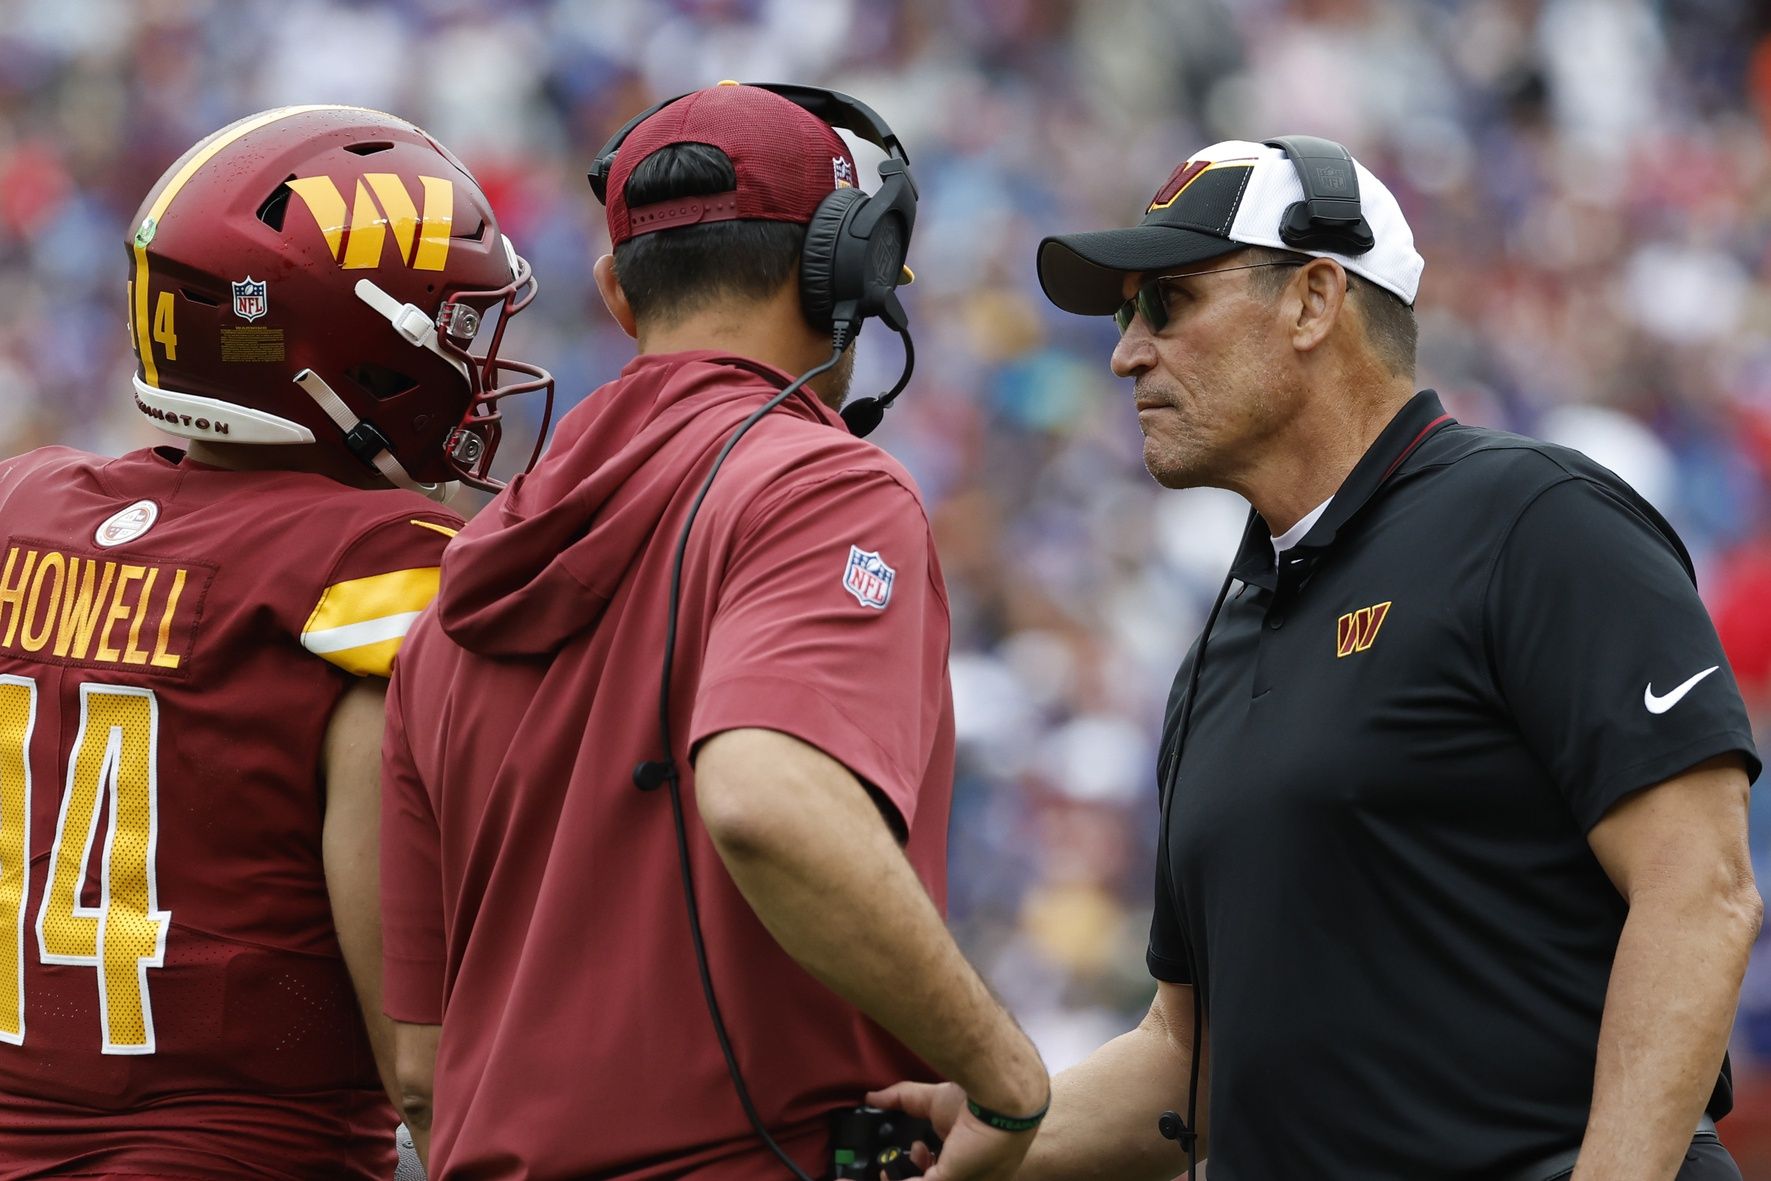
x,y
531,893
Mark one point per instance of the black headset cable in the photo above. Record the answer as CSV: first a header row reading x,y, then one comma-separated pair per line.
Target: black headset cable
x,y
1186,1133
649,776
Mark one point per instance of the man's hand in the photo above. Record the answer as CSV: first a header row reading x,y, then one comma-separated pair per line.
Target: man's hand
x,y
943,1105
1103,1114
974,1151
940,1103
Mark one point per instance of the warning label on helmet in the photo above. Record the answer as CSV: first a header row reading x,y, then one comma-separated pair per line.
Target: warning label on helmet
x,y
258,345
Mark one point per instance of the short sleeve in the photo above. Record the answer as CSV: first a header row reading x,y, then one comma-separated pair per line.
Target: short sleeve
x,y
1168,958
376,588
412,945
1604,654
831,626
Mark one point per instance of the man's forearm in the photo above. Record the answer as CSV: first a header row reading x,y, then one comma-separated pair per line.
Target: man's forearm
x,y
820,868
1674,986
1102,1125
415,1064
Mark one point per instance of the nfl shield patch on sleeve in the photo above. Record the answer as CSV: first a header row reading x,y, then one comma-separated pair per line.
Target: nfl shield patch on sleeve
x,y
868,578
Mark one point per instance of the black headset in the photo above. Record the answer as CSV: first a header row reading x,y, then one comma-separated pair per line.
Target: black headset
x,y
852,264
855,244
1329,217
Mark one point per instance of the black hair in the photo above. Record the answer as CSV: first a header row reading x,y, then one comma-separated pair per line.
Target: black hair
x,y
1389,323
669,273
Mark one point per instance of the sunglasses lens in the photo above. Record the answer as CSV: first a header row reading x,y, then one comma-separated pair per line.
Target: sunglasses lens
x,y
1146,303
1152,306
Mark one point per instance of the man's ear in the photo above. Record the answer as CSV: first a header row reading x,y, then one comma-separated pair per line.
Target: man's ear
x,y
1321,289
614,298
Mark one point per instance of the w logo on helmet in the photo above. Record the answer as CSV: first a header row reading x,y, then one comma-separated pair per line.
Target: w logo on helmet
x,y
381,203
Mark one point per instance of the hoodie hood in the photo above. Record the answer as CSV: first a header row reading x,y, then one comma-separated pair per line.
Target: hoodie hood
x,y
541,563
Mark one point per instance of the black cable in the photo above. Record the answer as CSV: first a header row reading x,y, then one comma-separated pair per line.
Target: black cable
x,y
891,395
649,776
1188,1134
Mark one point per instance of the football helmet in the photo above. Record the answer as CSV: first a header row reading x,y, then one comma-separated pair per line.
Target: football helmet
x,y
322,274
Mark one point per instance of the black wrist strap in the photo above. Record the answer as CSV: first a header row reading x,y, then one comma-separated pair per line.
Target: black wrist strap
x,y
1007,1123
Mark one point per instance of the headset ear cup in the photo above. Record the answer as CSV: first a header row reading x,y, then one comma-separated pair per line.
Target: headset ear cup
x,y
819,289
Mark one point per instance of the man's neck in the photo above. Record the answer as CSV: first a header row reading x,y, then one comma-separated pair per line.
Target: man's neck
x,y
772,331
758,331
1309,462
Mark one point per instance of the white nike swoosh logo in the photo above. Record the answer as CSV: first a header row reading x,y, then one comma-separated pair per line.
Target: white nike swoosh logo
x,y
1659,705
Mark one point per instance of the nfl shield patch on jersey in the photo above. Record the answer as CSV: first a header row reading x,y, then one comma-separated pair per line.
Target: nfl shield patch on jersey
x,y
868,578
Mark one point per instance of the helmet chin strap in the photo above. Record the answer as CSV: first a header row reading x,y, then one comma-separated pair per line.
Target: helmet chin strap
x,y
364,440
367,443
410,321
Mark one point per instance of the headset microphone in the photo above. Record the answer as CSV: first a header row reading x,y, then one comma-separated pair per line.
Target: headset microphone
x,y
863,415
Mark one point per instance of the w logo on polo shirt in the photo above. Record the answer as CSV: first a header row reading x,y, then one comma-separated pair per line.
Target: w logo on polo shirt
x,y
1357,630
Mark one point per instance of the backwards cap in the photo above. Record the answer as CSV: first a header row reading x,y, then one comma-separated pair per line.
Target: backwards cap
x,y
787,160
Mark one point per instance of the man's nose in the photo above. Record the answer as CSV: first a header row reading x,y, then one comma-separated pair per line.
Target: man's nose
x,y
1136,351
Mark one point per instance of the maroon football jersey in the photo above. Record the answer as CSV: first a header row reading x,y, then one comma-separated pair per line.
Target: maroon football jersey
x,y
531,894
173,638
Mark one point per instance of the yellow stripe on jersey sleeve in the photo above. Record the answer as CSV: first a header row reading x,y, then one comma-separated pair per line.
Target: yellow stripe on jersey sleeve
x,y
434,527
358,624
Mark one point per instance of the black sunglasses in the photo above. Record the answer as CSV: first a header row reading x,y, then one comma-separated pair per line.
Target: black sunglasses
x,y
1150,304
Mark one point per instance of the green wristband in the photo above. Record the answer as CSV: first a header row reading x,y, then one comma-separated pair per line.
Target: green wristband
x,y
1007,1123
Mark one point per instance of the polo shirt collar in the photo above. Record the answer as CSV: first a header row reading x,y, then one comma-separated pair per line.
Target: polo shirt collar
x,y
1419,417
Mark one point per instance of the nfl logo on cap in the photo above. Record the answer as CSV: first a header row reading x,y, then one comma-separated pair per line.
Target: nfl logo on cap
x,y
249,299
868,578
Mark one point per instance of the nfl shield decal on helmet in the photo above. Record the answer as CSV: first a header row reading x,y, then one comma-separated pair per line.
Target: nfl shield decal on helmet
x,y
250,301
868,578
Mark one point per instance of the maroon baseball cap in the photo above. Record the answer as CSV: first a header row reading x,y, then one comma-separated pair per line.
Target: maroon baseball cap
x,y
787,159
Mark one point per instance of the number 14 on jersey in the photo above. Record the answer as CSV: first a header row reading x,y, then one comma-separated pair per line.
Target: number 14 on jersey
x,y
113,761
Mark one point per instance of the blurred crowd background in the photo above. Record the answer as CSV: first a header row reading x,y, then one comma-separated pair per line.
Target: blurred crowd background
x,y
1589,180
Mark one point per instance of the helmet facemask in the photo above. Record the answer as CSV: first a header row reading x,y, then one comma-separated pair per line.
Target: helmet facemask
x,y
471,446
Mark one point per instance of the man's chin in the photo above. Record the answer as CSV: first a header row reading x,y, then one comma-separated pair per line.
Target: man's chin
x,y
1167,471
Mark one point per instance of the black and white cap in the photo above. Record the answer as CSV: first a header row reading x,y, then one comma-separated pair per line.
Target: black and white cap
x,y
1232,194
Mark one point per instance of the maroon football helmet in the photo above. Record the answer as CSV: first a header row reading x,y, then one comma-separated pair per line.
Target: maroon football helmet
x,y
320,275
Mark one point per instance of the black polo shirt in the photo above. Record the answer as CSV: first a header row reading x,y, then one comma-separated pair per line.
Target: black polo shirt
x,y
1376,834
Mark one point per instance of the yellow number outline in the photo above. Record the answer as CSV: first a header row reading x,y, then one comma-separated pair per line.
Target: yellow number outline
x,y
115,760
15,847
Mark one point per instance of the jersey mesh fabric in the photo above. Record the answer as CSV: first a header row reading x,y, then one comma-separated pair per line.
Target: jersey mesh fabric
x,y
193,760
